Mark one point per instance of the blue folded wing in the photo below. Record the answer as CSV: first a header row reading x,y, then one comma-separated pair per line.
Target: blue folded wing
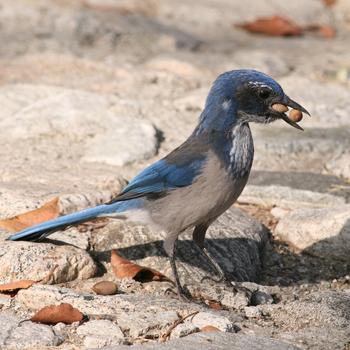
x,y
161,177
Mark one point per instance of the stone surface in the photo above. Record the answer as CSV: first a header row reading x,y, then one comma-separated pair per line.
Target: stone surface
x,y
235,239
25,335
99,333
97,123
324,232
73,73
214,341
136,314
26,260
340,166
184,329
288,198
203,319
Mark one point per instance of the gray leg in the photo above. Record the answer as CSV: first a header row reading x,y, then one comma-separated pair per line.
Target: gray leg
x,y
170,249
198,237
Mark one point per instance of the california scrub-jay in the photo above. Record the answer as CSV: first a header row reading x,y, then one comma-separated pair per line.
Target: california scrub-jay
x,y
199,180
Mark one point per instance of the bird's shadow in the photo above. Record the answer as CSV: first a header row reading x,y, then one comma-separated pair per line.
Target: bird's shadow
x,y
244,259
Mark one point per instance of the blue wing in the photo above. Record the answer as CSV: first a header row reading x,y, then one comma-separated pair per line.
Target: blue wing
x,y
177,170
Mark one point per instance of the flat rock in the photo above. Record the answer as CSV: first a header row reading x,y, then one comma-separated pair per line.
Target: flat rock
x,y
105,127
99,333
324,232
214,341
37,261
287,197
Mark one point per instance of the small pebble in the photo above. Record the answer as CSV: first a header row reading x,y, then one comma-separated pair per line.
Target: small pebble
x,y
105,288
259,298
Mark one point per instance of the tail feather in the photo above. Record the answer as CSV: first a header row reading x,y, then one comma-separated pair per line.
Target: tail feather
x,y
40,231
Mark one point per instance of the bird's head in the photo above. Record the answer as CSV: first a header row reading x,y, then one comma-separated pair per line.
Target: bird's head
x,y
247,96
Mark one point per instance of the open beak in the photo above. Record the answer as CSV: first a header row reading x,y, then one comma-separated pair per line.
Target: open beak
x,y
288,102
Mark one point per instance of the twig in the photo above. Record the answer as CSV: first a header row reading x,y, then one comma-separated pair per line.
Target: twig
x,y
166,335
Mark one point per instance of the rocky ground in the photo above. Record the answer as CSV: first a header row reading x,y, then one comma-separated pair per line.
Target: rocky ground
x,y
91,92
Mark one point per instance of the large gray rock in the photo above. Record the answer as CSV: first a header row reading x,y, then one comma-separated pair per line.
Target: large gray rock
x,y
236,240
324,232
27,260
26,335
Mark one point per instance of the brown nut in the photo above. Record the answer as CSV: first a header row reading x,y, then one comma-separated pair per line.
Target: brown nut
x,y
105,288
279,107
295,115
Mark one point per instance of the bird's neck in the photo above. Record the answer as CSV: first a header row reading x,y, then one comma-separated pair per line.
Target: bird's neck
x,y
234,147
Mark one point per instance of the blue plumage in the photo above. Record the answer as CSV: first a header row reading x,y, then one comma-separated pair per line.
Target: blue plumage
x,y
200,179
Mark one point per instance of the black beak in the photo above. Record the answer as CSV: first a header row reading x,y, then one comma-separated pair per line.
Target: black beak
x,y
290,103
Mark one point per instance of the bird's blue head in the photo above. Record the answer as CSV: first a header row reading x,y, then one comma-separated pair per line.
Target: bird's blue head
x,y
242,96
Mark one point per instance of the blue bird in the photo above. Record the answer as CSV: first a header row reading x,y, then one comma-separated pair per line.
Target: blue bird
x,y
194,184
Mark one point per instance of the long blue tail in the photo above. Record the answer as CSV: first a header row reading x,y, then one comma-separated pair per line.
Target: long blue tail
x,y
40,231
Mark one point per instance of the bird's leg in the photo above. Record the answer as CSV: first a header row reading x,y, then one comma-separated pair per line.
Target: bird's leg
x,y
198,237
170,249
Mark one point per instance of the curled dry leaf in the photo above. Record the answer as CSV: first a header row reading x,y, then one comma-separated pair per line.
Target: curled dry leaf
x,y
209,328
14,287
54,314
125,268
105,288
48,211
215,305
274,26
329,2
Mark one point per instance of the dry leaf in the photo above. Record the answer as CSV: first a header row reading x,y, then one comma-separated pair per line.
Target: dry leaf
x,y
54,314
325,31
48,211
14,287
105,288
274,26
209,328
215,305
125,268
329,2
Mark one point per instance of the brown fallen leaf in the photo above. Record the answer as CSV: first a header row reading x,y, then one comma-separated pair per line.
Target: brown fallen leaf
x,y
329,2
324,31
274,26
54,314
48,211
215,305
125,268
209,328
13,287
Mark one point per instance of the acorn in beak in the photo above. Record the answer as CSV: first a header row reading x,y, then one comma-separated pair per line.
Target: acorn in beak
x,y
295,114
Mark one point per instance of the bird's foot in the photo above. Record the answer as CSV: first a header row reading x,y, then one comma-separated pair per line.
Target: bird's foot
x,y
181,293
237,287
219,279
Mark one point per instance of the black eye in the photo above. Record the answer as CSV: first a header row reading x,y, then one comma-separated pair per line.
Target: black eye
x,y
264,93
